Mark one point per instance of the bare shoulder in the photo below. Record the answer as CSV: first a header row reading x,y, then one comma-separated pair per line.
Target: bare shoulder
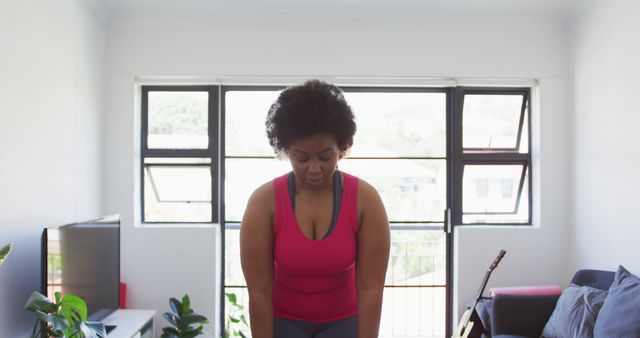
x,y
264,195
261,206
370,205
367,194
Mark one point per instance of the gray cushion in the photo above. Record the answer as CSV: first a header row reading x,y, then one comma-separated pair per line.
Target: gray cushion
x,y
620,313
575,313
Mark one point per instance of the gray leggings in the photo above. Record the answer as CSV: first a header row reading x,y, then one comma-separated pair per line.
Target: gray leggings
x,y
344,328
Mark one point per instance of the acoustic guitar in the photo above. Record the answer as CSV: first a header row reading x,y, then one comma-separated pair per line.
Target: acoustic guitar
x,y
465,325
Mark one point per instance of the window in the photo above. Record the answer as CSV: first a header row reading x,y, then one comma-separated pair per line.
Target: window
x,y
179,154
425,150
492,163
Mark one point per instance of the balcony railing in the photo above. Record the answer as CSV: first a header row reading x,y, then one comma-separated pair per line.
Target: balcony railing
x,y
414,302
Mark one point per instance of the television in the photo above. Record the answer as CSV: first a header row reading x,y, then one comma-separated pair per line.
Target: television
x,y
83,258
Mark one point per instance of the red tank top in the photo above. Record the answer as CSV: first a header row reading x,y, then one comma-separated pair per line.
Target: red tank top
x,y
314,280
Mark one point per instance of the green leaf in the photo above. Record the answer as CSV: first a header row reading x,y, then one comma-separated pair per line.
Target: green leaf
x,y
73,308
4,252
57,321
37,301
58,297
57,333
234,319
169,335
176,306
95,328
241,334
170,330
192,333
68,332
170,318
186,304
232,298
244,320
192,319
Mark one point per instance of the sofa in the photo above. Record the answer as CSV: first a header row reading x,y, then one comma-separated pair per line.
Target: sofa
x,y
596,303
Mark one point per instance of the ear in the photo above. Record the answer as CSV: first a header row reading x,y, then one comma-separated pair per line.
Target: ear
x,y
342,154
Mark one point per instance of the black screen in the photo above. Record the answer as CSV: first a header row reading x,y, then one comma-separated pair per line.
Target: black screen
x,y
84,259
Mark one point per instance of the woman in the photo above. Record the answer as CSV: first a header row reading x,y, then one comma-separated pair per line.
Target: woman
x,y
314,243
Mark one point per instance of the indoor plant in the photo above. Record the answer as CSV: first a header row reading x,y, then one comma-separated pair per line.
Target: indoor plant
x,y
183,319
67,317
4,252
237,321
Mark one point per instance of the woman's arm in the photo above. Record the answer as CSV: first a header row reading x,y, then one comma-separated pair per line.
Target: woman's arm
x,y
256,255
372,259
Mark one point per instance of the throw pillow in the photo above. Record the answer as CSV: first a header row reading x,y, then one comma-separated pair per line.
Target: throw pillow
x,y
575,313
620,313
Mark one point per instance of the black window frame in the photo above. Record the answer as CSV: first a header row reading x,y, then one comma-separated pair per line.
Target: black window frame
x,y
212,152
494,156
455,156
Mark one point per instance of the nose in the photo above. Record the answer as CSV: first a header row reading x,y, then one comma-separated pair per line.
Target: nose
x,y
314,166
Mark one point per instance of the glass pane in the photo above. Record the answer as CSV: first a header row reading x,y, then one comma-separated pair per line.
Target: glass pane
x,y
177,193
242,300
524,140
245,115
490,194
413,312
417,257
178,120
243,176
412,190
399,124
233,269
491,121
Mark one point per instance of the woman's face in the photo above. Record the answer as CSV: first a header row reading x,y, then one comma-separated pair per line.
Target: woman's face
x,y
314,160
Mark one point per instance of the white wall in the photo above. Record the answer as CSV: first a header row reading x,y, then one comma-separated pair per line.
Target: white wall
x,y
52,59
606,74
337,47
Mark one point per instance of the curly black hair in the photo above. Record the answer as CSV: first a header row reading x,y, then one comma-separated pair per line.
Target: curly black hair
x,y
308,109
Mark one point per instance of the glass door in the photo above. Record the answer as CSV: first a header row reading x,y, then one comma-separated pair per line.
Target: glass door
x,y
401,149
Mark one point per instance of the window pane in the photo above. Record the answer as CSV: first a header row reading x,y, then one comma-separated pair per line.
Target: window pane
x,y
178,120
496,200
413,124
413,312
177,193
245,115
233,269
417,257
524,140
491,121
243,176
412,190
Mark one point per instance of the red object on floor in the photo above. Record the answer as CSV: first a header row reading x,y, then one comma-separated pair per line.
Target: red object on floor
x,y
123,295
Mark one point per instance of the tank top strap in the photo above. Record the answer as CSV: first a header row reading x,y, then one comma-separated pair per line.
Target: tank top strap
x,y
350,199
281,190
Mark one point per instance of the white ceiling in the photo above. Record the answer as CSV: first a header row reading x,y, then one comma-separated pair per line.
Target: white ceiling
x,y
546,10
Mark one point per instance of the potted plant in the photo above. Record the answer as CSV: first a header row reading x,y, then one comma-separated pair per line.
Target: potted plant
x,y
185,322
4,252
67,317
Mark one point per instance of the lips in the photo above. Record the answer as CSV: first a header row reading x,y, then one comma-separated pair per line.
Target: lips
x,y
314,181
